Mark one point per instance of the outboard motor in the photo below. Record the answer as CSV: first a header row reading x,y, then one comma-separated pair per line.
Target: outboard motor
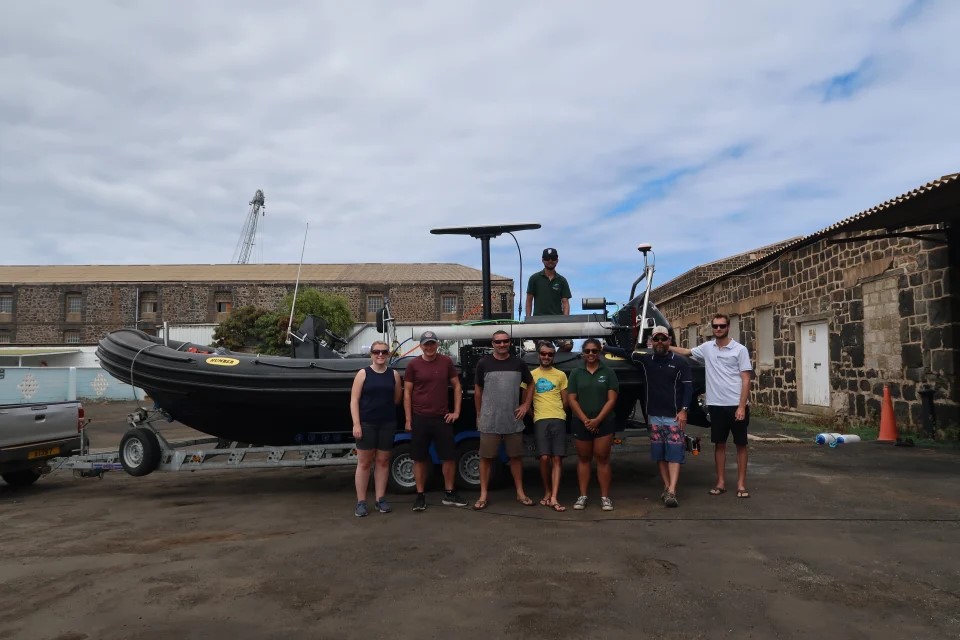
x,y
309,342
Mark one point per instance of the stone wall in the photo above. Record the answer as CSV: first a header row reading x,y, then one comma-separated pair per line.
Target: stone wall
x,y
40,317
892,308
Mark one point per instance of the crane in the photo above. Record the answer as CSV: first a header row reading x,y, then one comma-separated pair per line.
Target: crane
x,y
241,255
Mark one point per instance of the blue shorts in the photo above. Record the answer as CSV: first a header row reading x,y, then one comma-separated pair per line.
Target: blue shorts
x,y
667,440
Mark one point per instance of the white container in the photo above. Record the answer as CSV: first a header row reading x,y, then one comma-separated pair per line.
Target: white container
x,y
827,438
847,438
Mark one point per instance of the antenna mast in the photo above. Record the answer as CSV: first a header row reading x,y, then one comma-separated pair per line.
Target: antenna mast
x,y
241,255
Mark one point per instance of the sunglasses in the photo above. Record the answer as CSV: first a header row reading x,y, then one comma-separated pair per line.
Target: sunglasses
x,y
591,351
719,326
507,341
379,352
660,338
546,354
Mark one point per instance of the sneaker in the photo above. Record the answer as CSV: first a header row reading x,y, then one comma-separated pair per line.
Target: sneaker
x,y
671,500
606,504
361,509
581,503
420,504
383,506
453,499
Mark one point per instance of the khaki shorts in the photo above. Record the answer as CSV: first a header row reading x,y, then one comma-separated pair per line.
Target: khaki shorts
x,y
490,444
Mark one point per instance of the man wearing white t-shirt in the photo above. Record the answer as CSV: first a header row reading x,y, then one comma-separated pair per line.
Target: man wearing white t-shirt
x,y
728,391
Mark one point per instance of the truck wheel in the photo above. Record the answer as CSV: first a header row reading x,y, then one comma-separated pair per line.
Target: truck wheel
x,y
139,452
21,478
468,465
401,479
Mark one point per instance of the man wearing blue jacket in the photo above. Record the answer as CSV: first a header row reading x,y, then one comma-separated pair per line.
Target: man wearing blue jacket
x,y
669,393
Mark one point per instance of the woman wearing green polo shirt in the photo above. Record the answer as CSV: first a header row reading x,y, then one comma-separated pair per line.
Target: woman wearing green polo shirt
x,y
593,392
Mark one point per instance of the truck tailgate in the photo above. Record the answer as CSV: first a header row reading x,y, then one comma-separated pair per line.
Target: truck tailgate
x,y
35,423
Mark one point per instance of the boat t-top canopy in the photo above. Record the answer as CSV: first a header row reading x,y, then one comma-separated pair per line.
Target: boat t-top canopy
x,y
484,233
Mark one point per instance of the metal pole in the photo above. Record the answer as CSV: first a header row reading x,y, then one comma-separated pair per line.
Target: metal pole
x,y
487,302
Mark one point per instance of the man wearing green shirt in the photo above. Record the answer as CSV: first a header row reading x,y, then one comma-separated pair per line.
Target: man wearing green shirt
x,y
548,292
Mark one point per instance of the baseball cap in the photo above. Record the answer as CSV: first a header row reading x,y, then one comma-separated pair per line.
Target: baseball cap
x,y
550,252
659,330
428,336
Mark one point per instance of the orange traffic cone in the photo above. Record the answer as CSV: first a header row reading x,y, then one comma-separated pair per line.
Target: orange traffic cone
x,y
888,423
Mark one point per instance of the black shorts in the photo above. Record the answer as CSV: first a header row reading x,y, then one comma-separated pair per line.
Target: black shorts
x,y
376,435
425,430
723,422
580,432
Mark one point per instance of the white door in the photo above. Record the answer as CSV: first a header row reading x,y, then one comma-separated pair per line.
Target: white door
x,y
815,363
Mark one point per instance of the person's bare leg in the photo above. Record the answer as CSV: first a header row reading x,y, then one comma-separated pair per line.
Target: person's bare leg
x,y
741,467
545,476
720,460
664,474
584,458
361,479
516,470
449,474
601,451
420,475
673,470
485,466
380,473
557,467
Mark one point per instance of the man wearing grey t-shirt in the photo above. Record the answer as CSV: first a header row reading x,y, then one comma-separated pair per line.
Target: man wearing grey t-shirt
x,y
728,391
500,412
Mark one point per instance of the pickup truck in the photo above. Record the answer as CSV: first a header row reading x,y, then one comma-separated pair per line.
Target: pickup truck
x,y
32,434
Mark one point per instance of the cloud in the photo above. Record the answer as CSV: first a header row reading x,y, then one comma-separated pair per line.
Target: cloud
x,y
134,133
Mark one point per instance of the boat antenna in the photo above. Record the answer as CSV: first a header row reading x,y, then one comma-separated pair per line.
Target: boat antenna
x,y
648,269
293,303
520,283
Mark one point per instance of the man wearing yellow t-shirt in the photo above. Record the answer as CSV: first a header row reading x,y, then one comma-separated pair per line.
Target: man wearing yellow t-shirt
x,y
550,422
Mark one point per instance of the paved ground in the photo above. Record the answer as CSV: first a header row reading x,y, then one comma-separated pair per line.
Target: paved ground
x,y
854,542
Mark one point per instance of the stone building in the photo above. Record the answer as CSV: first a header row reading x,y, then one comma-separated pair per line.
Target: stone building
x,y
832,317
79,304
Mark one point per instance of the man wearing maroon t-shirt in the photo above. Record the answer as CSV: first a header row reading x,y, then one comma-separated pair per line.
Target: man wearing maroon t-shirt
x,y
428,418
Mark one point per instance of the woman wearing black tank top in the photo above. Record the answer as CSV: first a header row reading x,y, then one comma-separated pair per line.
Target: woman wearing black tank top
x,y
374,398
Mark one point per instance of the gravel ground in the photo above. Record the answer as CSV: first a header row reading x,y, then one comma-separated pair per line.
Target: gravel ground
x,y
855,542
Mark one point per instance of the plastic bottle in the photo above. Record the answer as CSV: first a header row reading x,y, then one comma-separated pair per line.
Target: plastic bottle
x,y
827,438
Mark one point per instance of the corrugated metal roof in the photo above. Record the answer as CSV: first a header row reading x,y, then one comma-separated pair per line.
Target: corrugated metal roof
x,y
927,204
362,273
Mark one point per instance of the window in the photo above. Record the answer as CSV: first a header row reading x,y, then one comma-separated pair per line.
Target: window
x,y
765,336
6,304
374,304
148,304
73,307
504,308
735,328
449,306
5,337
693,336
71,337
222,305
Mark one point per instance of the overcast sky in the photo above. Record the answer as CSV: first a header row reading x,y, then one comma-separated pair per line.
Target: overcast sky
x,y
137,132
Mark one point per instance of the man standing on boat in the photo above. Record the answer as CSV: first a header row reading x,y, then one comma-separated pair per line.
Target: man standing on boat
x,y
728,391
428,418
500,413
548,292
669,393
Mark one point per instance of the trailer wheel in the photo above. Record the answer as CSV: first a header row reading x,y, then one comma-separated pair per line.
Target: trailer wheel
x,y
468,465
401,478
139,452
21,478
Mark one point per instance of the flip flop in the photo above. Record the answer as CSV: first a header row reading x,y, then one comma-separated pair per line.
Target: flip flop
x,y
559,508
717,491
526,501
743,493
544,502
480,505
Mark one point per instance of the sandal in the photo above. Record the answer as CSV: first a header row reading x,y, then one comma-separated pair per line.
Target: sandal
x,y
525,501
556,506
717,491
480,505
544,502
743,493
